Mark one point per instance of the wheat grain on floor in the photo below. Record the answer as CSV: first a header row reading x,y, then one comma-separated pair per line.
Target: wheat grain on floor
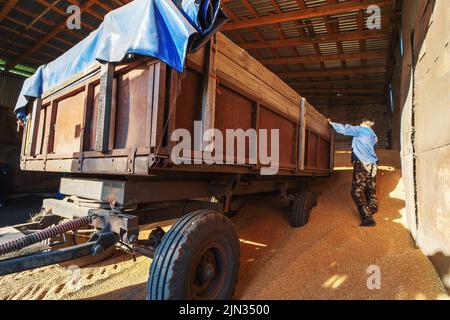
x,y
327,259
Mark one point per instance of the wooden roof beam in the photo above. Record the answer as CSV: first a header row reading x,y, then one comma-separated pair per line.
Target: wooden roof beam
x,y
368,91
337,83
344,99
308,13
344,36
29,27
7,7
335,97
328,57
331,72
58,49
50,35
230,13
301,4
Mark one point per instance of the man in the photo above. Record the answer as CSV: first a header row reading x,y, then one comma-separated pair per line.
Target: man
x,y
364,162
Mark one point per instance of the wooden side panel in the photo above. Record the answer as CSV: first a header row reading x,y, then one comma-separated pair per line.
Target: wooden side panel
x,y
229,104
287,130
253,67
316,122
92,118
41,131
50,115
68,124
93,114
323,158
189,105
312,141
132,107
317,156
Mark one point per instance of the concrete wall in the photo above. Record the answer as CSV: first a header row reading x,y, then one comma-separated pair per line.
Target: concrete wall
x,y
423,116
353,114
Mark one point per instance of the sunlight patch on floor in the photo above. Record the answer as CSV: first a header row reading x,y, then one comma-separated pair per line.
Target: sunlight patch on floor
x,y
335,281
253,243
399,193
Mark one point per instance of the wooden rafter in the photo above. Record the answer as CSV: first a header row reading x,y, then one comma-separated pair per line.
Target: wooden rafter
x,y
50,35
29,27
308,13
7,7
343,36
57,49
327,57
359,91
336,83
332,72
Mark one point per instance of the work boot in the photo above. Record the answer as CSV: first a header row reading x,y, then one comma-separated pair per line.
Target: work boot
x,y
368,222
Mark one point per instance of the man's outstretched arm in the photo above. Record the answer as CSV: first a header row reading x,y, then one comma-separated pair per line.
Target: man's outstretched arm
x,y
345,129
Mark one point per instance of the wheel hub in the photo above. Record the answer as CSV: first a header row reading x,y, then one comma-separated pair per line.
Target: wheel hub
x,y
207,267
209,273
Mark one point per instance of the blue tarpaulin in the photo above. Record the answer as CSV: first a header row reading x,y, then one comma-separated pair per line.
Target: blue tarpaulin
x,y
164,29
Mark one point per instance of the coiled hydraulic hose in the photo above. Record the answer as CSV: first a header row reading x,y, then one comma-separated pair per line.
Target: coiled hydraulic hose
x,y
39,236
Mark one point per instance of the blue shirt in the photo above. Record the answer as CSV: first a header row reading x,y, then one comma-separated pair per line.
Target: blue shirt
x,y
364,141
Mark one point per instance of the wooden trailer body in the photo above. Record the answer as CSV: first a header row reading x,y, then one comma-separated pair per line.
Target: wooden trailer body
x,y
118,120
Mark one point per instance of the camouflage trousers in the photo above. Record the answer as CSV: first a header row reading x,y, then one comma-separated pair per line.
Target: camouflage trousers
x,y
364,191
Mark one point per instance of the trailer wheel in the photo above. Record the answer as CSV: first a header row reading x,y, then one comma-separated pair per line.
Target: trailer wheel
x,y
301,207
198,259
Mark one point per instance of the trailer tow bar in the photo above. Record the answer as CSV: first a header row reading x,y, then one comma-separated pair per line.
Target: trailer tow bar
x,y
39,236
96,245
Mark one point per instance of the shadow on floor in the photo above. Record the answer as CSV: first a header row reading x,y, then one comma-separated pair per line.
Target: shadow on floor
x,y
20,210
135,292
442,264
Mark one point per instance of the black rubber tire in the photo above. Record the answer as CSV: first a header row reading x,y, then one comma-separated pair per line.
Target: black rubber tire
x,y
301,208
177,256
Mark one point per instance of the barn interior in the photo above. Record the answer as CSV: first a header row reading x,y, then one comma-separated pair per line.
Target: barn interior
x,y
351,59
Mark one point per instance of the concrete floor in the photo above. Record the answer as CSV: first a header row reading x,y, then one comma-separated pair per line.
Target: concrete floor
x,y
327,259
